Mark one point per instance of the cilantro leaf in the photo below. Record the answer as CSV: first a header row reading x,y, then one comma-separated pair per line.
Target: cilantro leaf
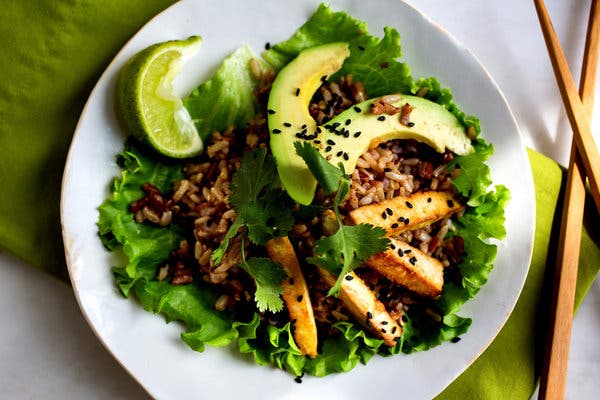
x,y
257,172
327,174
268,276
268,218
264,210
219,252
346,249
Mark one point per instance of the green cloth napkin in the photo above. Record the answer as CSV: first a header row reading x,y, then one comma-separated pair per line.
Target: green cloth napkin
x,y
55,51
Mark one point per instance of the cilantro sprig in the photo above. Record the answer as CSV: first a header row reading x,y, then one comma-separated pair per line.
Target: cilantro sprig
x,y
349,246
263,213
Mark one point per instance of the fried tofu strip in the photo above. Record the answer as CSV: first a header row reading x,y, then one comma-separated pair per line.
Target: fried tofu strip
x,y
409,267
361,302
407,213
295,295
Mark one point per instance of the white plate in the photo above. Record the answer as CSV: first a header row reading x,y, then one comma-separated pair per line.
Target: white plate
x,y
150,349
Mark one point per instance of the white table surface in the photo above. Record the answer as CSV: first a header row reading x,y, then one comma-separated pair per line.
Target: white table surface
x,y
48,351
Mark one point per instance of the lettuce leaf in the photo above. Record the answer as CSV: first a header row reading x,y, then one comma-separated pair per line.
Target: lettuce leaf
x,y
434,91
372,61
324,26
147,246
227,99
144,245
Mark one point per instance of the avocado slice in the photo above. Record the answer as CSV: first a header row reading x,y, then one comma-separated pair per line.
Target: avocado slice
x,y
347,136
288,116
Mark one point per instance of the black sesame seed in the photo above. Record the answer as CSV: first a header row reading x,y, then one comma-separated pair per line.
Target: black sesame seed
x,y
271,112
383,330
357,134
328,127
348,122
389,211
276,131
316,141
339,153
383,215
413,260
410,124
299,298
346,156
331,142
292,281
303,126
408,251
361,48
346,133
394,329
384,322
401,219
404,318
267,46
323,78
328,148
335,125
318,129
368,323
400,253
429,199
349,277
406,221
455,339
298,379
299,135
450,203
381,118
409,204
297,91
357,109
303,131
287,124
393,246
369,315
394,225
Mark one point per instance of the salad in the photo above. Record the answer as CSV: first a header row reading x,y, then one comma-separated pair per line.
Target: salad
x,y
321,221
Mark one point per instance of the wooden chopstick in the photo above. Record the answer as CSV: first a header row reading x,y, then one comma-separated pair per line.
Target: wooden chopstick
x,y
554,373
580,124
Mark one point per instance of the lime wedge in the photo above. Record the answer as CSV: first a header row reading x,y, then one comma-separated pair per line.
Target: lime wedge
x,y
148,106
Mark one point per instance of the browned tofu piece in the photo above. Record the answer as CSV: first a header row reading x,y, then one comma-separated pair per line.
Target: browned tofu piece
x,y
361,302
295,295
407,213
409,267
